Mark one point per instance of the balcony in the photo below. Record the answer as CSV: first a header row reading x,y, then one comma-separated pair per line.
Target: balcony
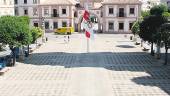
x,y
121,15
54,15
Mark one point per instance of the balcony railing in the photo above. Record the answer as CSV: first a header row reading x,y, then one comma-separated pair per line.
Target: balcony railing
x,y
121,15
54,15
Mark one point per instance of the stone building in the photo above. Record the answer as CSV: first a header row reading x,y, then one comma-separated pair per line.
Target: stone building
x,y
108,16
112,16
6,7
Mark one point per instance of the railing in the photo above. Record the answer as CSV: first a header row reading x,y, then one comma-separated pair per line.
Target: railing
x,y
121,15
54,15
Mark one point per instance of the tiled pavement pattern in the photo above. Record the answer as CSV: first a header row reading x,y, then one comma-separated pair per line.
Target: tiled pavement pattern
x,y
114,67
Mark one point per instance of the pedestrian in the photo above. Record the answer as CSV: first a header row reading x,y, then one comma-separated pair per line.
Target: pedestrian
x,y
65,39
68,38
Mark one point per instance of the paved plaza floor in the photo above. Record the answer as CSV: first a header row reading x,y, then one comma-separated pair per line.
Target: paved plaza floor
x,y
113,67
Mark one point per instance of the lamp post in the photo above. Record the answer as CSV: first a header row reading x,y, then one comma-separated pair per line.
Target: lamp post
x,y
43,28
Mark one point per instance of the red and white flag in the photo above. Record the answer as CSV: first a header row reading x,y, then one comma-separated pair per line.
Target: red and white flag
x,y
87,25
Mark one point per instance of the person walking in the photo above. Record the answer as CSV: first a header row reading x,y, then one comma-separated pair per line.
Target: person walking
x,y
68,37
65,39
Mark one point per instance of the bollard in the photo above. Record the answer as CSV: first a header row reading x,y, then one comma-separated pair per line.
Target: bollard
x,y
131,37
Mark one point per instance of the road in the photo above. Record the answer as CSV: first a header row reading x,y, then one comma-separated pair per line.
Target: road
x,y
113,67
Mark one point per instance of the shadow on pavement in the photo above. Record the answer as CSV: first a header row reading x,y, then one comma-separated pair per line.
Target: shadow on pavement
x,y
125,46
159,75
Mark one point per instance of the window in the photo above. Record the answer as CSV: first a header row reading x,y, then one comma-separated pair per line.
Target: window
x,y
46,25
35,12
168,3
55,13
121,12
90,5
121,26
10,2
75,14
110,10
35,2
16,1
16,11
4,2
111,25
25,11
63,11
55,24
64,24
25,1
130,25
132,10
46,11
35,24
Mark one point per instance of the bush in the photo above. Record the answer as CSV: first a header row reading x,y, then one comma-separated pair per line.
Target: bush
x,y
36,33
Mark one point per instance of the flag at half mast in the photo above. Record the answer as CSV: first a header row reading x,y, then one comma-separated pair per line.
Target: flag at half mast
x,y
87,25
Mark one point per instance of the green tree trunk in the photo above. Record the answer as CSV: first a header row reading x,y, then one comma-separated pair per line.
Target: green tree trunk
x,y
158,51
152,51
28,49
13,56
166,56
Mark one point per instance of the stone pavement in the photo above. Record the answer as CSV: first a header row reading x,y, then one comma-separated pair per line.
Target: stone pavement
x,y
114,67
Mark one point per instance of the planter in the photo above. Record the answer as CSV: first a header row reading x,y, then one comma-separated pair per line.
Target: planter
x,y
6,58
137,43
157,56
144,49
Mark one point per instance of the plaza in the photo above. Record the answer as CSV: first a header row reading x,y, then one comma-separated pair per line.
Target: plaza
x,y
113,67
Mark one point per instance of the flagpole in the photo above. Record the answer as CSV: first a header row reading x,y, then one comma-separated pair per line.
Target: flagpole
x,y
88,47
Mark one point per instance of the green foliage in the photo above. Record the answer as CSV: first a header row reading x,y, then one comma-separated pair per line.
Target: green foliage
x,y
14,31
25,19
135,28
149,27
164,33
36,33
158,9
166,14
145,14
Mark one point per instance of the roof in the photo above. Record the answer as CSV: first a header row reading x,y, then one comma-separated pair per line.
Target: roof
x,y
91,0
121,2
57,2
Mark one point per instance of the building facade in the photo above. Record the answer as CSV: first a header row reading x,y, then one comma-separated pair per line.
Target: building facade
x,y
6,7
113,16
108,16
51,14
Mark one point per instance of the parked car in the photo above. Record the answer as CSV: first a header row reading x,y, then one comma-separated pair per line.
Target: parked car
x,y
65,30
5,58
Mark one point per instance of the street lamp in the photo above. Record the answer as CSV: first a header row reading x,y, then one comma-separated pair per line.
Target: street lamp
x,y
43,28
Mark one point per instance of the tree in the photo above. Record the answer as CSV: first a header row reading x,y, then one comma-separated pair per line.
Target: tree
x,y
149,28
135,28
145,14
36,33
164,35
14,31
158,10
166,14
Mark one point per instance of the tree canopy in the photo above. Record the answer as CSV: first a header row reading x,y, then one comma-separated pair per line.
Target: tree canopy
x,y
158,9
145,13
135,28
36,32
149,27
14,31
